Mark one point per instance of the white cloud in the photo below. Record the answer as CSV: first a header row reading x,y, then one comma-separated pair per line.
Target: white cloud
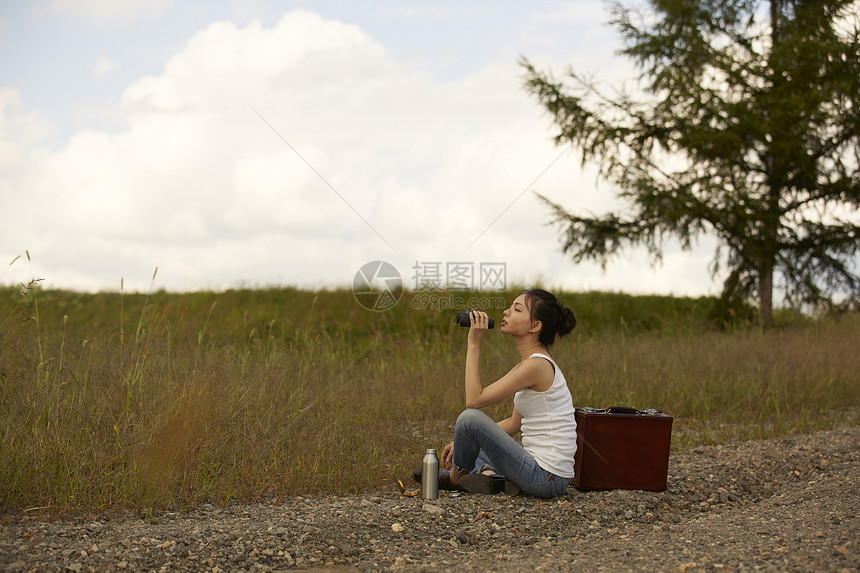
x,y
197,184
20,130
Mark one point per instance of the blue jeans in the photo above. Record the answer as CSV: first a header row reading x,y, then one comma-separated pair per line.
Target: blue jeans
x,y
480,442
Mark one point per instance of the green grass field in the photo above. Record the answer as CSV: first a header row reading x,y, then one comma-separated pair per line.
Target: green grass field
x,y
118,401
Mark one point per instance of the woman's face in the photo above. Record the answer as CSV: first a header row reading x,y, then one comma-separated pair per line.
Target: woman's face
x,y
517,319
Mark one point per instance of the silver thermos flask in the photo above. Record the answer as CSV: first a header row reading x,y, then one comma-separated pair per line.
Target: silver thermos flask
x,y
430,475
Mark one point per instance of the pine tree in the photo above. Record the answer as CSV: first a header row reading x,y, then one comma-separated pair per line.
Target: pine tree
x,y
745,125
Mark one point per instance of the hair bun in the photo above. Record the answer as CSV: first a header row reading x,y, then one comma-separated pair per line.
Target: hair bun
x,y
567,320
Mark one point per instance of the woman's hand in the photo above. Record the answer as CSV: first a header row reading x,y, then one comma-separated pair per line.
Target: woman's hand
x,y
480,324
447,456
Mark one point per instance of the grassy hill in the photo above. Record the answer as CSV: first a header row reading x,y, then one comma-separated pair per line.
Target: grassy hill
x,y
119,400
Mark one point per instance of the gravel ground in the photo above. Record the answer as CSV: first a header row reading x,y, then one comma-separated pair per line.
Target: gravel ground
x,y
789,504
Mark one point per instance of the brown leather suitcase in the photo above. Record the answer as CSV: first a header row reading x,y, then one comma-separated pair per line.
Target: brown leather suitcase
x,y
622,448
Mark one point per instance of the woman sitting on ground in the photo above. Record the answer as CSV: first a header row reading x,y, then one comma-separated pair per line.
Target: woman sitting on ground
x,y
484,457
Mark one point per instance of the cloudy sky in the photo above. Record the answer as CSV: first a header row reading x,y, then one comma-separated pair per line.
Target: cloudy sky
x,y
256,143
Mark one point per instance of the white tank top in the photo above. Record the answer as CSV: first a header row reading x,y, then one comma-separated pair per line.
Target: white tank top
x,y
549,424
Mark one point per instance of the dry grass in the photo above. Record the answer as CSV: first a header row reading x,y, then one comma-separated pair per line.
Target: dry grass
x,y
721,387
117,401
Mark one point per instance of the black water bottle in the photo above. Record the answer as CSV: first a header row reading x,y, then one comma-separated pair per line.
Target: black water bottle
x,y
463,319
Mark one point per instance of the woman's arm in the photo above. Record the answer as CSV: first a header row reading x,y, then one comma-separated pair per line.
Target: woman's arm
x,y
531,372
474,387
534,373
513,424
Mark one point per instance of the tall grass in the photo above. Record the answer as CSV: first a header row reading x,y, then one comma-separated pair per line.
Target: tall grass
x,y
125,400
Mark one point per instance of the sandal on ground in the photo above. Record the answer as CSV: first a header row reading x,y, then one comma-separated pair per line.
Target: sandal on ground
x,y
488,484
444,479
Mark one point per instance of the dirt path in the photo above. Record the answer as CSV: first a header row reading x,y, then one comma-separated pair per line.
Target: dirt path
x,y
784,505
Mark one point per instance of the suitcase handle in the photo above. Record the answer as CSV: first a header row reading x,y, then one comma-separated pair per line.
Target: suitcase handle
x,y
623,410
